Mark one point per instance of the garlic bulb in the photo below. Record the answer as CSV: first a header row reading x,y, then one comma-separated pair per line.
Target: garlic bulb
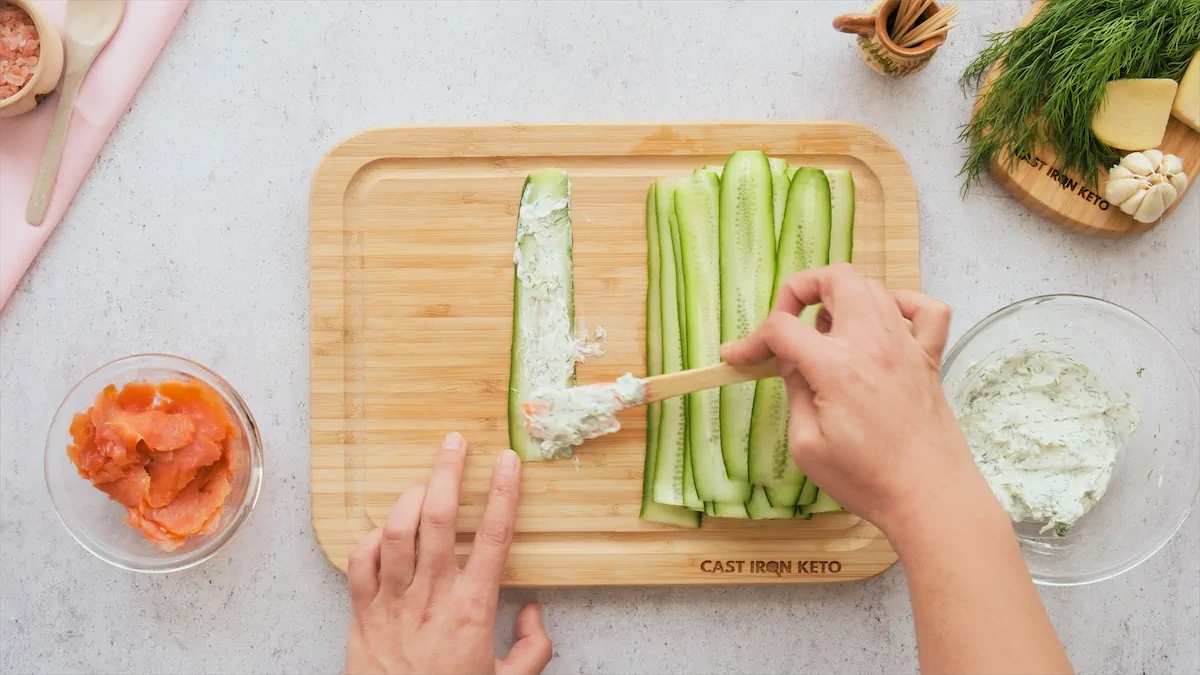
x,y
1145,184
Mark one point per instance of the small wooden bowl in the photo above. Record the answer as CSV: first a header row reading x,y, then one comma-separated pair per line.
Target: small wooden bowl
x,y
49,69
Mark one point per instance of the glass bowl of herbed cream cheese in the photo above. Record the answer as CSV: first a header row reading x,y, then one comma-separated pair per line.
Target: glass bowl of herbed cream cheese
x,y
1085,420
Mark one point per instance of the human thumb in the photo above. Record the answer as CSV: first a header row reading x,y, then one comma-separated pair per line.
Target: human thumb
x,y
532,650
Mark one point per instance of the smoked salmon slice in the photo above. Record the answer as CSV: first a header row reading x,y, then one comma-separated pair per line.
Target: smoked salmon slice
x,y
102,462
170,472
137,397
202,498
162,432
129,490
154,532
163,451
202,404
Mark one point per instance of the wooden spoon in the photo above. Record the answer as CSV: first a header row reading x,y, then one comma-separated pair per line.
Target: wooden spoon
x,y
568,409
655,388
90,25
660,387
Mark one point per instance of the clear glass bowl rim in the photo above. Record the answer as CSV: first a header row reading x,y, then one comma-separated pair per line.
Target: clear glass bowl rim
x,y
254,441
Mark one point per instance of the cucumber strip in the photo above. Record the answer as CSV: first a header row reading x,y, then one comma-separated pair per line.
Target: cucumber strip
x,y
776,498
823,504
841,234
651,510
787,494
815,219
808,494
543,352
669,468
841,249
806,224
759,507
779,191
729,510
697,208
747,275
715,169
666,209
769,390
691,500
841,237
653,342
708,509
770,463
792,171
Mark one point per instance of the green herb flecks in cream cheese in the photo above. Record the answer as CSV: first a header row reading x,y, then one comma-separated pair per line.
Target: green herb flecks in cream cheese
x,y
1046,435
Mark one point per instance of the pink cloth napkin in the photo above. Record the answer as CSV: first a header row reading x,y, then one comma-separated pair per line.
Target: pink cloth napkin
x,y
104,96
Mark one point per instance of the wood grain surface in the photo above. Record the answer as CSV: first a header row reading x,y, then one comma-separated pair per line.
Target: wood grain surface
x,y
411,242
1036,182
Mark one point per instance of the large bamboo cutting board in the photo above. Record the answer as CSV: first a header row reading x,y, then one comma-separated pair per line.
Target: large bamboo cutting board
x,y
411,240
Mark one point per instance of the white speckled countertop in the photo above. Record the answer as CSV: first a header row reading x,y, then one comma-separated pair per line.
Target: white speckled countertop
x,y
190,236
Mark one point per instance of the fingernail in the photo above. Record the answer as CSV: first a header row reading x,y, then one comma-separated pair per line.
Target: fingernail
x,y
509,462
454,441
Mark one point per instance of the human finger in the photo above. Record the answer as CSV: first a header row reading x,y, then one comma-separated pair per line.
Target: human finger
x,y
398,548
807,296
791,339
532,651
839,288
489,553
824,321
362,571
439,515
804,429
930,320
886,307
781,327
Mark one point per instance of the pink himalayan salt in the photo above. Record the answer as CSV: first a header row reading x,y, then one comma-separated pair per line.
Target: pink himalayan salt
x,y
19,48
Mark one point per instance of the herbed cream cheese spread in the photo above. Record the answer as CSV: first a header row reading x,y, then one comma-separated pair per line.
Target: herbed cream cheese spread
x,y
1045,433
568,417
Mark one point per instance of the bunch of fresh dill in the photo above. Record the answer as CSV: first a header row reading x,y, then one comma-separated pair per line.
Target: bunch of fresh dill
x,y
1053,74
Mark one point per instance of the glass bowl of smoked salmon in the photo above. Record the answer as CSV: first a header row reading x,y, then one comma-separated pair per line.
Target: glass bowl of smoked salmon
x,y
153,463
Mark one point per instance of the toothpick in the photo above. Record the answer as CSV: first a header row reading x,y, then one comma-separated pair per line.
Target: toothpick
x,y
910,19
905,15
939,19
931,25
915,10
928,35
904,12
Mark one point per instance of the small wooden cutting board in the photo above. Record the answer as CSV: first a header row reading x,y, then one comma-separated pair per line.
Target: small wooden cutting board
x,y
1037,183
411,243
